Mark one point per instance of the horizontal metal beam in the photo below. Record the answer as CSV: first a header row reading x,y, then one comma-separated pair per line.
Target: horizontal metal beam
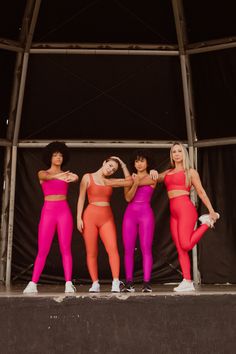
x,y
212,45
126,143
5,142
215,142
105,51
159,49
10,45
90,45
99,143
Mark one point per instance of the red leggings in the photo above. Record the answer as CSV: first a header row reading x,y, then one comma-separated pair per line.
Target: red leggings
x,y
99,220
183,217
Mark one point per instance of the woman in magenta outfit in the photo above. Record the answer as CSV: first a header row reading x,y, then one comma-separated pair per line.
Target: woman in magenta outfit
x,y
138,218
183,215
55,215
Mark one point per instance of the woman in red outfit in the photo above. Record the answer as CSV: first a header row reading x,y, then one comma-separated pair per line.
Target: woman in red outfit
x,y
183,215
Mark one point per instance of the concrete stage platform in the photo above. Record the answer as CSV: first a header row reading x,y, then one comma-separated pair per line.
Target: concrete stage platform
x,y
82,323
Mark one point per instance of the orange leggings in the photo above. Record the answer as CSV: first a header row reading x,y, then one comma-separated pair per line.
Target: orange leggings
x,y
98,220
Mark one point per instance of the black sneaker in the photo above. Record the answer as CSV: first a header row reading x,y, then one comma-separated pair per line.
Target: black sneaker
x,y
146,288
128,288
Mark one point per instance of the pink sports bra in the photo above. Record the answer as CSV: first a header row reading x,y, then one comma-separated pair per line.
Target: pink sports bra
x,y
98,193
143,194
176,181
54,187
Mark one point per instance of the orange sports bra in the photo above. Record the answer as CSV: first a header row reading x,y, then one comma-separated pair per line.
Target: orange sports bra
x,y
176,181
98,193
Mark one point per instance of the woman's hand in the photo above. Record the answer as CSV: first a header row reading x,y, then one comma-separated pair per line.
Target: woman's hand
x,y
135,178
214,215
154,175
71,177
80,225
122,164
62,176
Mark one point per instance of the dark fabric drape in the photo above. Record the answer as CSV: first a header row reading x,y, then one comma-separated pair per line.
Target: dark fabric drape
x,y
217,249
29,200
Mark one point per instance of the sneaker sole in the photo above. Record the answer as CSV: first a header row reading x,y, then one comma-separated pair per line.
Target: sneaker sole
x,y
185,290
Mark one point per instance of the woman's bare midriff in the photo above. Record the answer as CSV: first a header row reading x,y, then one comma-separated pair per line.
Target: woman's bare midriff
x,y
100,203
177,193
54,198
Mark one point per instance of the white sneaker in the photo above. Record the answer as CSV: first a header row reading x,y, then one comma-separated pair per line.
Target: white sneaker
x,y
185,285
31,288
115,288
95,288
69,287
206,219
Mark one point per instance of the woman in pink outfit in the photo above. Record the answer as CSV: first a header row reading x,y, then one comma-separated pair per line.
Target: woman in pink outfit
x,y
55,215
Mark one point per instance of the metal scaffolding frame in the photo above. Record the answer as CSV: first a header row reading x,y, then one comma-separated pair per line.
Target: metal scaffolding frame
x,y
25,47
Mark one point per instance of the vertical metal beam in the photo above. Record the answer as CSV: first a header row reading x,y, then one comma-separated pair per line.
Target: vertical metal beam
x,y
11,215
28,26
4,215
7,165
13,169
178,10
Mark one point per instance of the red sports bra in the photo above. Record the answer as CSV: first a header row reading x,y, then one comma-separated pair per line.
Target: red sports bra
x,y
54,187
98,193
176,181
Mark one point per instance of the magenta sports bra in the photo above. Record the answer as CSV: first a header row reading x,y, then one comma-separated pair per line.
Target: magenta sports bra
x,y
54,187
143,194
176,181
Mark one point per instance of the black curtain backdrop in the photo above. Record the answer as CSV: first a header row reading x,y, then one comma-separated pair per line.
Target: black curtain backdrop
x,y
217,249
29,200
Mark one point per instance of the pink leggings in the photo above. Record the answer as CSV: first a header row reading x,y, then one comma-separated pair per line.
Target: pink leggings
x,y
54,215
138,219
183,217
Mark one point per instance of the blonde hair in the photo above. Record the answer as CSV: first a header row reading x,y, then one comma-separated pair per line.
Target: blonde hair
x,y
186,162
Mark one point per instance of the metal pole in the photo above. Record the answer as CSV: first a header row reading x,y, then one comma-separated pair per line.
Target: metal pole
x,y
11,215
7,164
98,144
29,22
104,51
188,100
4,215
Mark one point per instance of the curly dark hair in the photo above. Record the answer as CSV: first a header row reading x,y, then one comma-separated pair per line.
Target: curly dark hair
x,y
50,149
142,154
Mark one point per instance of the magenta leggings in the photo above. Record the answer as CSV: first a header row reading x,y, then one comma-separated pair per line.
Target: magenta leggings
x,y
138,219
183,217
55,215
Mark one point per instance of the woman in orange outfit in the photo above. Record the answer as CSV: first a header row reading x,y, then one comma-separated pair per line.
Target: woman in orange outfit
x,y
98,219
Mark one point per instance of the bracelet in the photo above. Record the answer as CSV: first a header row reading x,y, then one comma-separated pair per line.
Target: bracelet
x,y
123,165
